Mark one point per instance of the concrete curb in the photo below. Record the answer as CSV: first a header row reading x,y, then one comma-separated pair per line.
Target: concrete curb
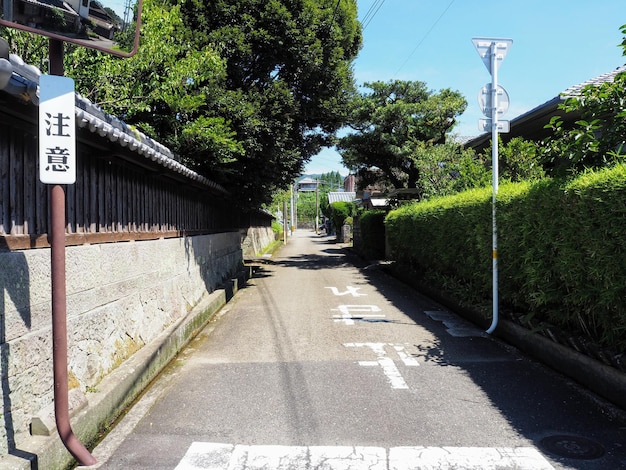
x,y
603,380
122,386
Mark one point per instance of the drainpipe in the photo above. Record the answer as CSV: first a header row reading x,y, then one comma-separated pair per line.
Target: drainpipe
x,y
59,301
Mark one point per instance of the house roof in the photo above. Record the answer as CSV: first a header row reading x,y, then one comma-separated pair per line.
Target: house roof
x,y
531,123
345,196
23,83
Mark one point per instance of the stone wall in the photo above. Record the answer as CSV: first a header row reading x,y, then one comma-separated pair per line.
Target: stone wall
x,y
120,296
255,239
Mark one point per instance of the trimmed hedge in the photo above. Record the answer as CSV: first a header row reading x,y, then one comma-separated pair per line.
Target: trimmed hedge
x,y
561,251
372,225
339,212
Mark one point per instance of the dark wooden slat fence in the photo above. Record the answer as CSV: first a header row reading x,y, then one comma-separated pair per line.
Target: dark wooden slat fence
x,y
119,195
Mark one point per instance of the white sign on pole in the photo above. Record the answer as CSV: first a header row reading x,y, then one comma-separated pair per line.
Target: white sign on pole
x,y
484,125
485,98
57,130
483,46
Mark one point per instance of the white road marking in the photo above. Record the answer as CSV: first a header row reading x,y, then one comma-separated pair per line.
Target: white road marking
x,y
408,360
349,290
347,318
455,326
389,368
215,456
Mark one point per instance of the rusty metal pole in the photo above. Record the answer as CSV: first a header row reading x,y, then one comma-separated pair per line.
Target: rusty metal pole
x,y
59,301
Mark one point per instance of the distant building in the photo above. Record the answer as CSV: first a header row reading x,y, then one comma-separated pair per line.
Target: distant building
x,y
307,185
349,183
343,196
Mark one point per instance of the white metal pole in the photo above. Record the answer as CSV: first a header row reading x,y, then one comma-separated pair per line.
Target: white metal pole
x,y
317,206
494,169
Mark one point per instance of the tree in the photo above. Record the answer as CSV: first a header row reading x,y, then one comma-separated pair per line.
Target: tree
x,y
32,48
308,201
287,84
518,160
244,91
393,125
163,89
331,181
596,140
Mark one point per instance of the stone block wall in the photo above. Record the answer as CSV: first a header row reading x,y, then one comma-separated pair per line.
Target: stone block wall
x,y
255,239
120,296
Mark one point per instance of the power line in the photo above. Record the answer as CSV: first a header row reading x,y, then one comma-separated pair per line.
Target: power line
x,y
371,13
424,38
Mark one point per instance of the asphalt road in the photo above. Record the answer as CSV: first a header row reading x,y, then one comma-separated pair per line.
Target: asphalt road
x,y
323,362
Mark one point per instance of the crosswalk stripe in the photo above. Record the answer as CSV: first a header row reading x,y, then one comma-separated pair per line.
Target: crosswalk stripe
x,y
215,456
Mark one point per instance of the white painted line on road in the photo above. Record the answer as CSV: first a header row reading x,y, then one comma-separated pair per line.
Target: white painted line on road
x,y
214,456
389,368
269,457
349,290
347,318
455,326
347,458
440,315
408,360
206,456
467,458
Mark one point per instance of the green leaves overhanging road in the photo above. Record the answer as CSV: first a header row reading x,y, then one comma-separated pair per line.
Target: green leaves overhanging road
x,y
245,91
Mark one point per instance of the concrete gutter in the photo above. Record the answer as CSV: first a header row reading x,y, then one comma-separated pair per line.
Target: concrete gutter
x,y
603,380
121,387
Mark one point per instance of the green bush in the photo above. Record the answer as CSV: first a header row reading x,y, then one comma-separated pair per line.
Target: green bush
x,y
372,224
277,228
561,256
339,212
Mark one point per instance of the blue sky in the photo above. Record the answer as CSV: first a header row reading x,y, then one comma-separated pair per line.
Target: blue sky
x,y
556,44
117,5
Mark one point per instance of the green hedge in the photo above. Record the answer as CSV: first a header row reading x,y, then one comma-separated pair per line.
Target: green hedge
x,y
372,224
561,251
339,212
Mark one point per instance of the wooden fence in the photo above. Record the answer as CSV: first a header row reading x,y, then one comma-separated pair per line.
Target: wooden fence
x,y
118,195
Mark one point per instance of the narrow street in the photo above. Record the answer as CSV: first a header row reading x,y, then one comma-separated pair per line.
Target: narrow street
x,y
321,362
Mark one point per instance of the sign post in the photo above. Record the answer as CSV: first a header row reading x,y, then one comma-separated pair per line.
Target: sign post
x,y
57,153
57,130
57,167
492,51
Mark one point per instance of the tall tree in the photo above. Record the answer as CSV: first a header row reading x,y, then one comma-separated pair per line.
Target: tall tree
x,y
391,125
162,90
288,81
244,91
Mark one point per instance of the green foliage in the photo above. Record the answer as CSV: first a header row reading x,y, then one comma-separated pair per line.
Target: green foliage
x,y
287,83
32,48
372,226
331,181
392,124
446,169
162,90
308,201
598,138
277,228
244,91
307,207
560,249
518,160
434,234
339,212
